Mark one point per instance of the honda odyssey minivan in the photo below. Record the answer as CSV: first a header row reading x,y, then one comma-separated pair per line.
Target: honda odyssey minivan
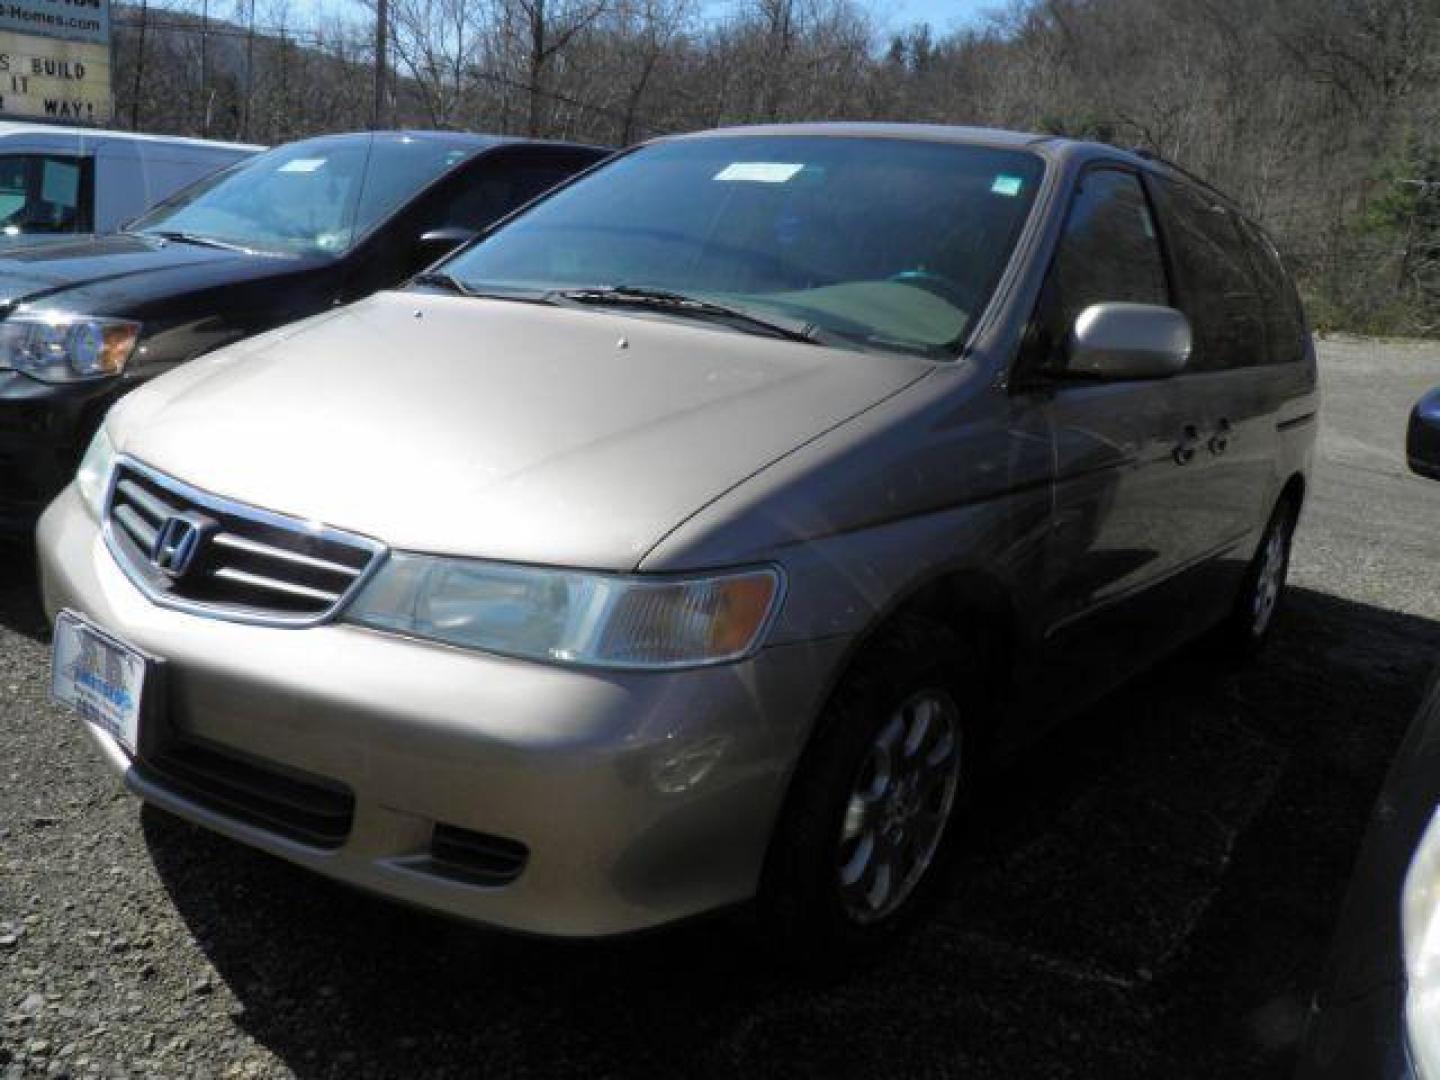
x,y
701,534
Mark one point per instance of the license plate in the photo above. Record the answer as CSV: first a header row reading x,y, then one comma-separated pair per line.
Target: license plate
x,y
98,676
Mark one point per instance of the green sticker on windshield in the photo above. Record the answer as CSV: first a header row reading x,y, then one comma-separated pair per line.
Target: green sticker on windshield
x,y
1006,185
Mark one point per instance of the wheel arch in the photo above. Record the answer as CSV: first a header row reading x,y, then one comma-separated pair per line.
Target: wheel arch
x,y
972,603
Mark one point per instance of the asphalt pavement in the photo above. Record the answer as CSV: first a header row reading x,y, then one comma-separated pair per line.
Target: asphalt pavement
x,y
1150,893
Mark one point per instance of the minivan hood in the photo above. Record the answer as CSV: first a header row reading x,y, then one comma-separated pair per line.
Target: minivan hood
x,y
109,275
497,429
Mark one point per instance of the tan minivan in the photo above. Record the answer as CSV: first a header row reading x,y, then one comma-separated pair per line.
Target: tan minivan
x,y
698,535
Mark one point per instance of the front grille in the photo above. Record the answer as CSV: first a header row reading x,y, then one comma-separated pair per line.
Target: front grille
x,y
241,562
310,810
475,858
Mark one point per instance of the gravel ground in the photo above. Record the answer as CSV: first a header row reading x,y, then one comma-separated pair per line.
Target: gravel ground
x,y
1152,895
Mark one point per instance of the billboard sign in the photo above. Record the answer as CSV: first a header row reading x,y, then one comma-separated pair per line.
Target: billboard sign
x,y
55,60
64,82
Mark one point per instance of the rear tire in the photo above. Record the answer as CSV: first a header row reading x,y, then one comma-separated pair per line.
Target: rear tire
x,y
871,824
1244,634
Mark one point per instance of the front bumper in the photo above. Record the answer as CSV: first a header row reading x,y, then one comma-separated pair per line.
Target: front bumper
x,y
43,431
641,797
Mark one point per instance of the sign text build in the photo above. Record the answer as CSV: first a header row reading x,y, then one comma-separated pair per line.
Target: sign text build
x,y
65,82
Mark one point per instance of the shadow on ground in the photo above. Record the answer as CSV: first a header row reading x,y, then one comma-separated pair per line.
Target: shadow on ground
x,y
20,608
1149,893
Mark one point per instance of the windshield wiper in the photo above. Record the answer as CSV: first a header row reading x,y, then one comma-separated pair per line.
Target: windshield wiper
x,y
439,279
197,239
683,304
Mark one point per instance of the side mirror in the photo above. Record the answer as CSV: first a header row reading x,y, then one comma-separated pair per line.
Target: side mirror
x,y
1422,443
438,242
1128,341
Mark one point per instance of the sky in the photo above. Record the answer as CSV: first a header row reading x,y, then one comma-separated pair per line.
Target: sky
x,y
942,15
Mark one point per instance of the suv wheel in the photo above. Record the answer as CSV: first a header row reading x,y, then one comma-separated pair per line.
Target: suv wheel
x,y
1250,623
871,820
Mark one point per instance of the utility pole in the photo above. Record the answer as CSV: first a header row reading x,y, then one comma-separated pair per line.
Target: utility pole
x,y
249,74
139,71
205,67
382,21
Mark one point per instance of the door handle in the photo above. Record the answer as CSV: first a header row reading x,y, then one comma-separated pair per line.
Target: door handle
x,y
1185,450
1220,441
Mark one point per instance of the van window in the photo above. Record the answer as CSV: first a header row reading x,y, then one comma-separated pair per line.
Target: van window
x,y
42,193
494,186
1108,253
1284,319
1217,284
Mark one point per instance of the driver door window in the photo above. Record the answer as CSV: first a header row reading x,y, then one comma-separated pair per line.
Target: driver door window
x,y
1109,253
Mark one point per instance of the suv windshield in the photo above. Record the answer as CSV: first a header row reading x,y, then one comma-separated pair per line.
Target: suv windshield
x,y
879,242
313,197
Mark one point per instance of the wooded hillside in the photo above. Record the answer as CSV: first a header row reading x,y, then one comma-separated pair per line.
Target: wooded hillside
x,y
1317,115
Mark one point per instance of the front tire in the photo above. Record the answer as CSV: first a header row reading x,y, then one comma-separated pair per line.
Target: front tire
x,y
871,822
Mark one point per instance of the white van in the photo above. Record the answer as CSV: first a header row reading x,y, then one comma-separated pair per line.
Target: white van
x,y
59,181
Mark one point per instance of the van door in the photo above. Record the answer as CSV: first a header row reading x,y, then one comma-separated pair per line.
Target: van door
x,y
1229,392
1120,489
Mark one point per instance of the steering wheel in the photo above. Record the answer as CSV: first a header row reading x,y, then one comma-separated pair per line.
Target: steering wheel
x,y
946,288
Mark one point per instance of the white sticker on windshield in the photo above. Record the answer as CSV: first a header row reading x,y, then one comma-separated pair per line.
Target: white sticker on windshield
x,y
759,172
304,164
1006,185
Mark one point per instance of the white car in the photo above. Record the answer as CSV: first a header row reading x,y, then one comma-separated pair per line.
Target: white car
x,y
56,182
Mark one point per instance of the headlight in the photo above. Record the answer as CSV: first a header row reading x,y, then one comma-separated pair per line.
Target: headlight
x,y
93,478
1420,921
570,617
53,346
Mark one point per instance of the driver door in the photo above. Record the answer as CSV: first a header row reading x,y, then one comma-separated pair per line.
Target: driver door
x,y
1117,537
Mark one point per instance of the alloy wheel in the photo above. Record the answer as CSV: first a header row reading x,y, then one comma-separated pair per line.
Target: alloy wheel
x,y
899,805
1270,580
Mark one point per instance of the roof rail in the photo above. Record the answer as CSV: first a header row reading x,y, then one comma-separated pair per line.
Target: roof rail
x,y
1151,155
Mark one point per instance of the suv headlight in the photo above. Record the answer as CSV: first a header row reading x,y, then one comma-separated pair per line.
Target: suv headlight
x,y
1420,923
570,617
93,477
58,347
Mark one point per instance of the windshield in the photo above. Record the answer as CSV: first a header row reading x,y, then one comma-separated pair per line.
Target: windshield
x,y
878,242
314,197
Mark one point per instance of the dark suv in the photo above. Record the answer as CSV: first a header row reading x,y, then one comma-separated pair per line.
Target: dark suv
x,y
272,239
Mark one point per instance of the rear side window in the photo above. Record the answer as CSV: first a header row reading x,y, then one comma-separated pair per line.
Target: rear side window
x,y
1108,254
1283,317
496,185
1217,282
42,193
